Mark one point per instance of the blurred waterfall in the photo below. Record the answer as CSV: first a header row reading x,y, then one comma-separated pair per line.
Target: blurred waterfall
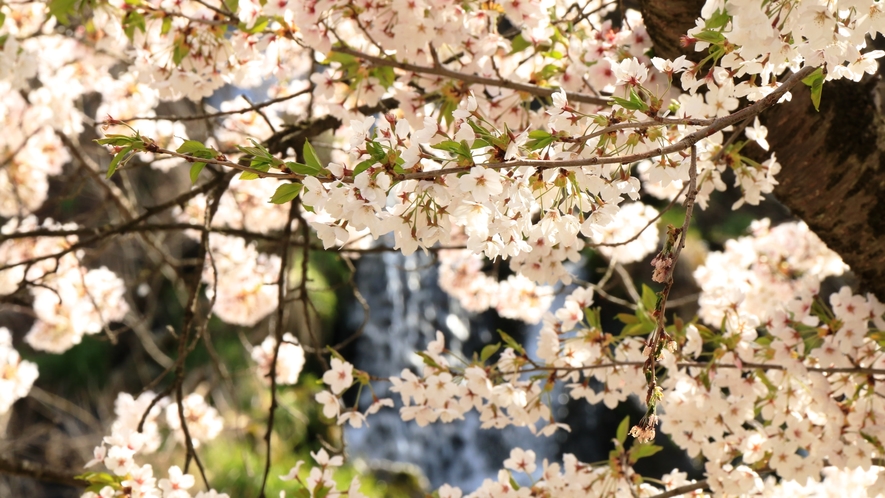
x,y
407,307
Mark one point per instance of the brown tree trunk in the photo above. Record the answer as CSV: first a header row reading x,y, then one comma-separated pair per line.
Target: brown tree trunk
x,y
833,175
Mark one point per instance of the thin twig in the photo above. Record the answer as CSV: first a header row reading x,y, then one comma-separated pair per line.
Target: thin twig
x,y
650,223
681,490
125,226
471,78
66,406
278,335
197,117
31,470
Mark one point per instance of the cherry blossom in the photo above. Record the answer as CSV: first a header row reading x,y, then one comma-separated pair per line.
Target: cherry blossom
x,y
339,377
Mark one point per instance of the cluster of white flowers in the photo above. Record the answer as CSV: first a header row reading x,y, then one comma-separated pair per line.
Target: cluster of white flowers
x,y
632,220
339,379
319,480
435,172
517,297
572,478
243,205
757,275
242,281
70,300
444,393
827,34
203,421
781,388
290,359
119,452
16,375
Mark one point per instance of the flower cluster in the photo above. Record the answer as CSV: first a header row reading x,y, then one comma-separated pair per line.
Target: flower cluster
x,y
445,393
339,379
17,375
319,481
119,452
517,297
289,359
70,300
242,281
755,275
830,35
516,127
203,421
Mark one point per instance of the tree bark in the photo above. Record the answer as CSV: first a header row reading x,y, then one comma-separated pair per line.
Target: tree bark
x,y
666,22
833,161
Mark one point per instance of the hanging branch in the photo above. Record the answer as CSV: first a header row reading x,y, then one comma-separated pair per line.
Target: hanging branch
x,y
278,335
664,263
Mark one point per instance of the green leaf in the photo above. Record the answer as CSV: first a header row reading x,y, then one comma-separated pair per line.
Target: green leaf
x,y
488,351
511,342
61,9
518,44
343,59
709,36
623,427
538,144
635,329
814,76
286,193
256,165
167,25
376,151
455,148
115,140
719,19
131,21
480,143
260,24
593,317
180,51
2,18
537,134
816,90
190,147
258,150
196,168
321,491
649,298
96,477
638,451
385,76
310,157
548,71
627,104
627,319
363,166
636,99
303,169
117,158
635,103
427,359
232,5
816,81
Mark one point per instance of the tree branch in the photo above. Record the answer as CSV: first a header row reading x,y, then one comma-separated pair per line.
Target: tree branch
x,y
31,470
681,490
472,78
832,162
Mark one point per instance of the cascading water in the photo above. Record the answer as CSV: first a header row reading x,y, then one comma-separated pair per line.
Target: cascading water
x,y
407,307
